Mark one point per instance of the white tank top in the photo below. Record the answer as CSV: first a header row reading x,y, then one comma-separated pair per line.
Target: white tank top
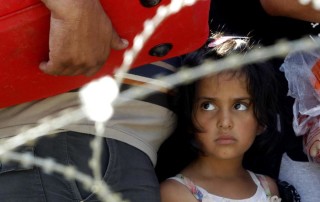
x,y
202,195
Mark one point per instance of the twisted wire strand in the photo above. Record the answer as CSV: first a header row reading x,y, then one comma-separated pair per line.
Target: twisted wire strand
x,y
184,75
51,123
314,3
71,173
149,27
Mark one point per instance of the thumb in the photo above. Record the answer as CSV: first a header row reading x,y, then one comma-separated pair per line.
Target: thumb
x,y
118,43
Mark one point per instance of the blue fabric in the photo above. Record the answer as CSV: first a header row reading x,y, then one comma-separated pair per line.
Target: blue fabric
x,y
135,179
152,70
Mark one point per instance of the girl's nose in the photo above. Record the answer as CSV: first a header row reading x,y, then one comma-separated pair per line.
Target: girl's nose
x,y
225,120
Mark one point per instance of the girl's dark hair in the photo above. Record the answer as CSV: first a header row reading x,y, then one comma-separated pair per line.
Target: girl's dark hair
x,y
261,84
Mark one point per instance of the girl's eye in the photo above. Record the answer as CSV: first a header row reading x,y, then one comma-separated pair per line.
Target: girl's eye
x,y
240,106
207,106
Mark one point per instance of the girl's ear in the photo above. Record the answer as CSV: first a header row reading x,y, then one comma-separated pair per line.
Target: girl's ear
x,y
261,129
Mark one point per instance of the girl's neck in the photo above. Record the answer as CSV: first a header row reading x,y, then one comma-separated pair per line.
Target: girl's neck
x,y
225,178
208,167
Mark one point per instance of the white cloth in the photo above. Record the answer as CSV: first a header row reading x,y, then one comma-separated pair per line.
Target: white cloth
x,y
304,176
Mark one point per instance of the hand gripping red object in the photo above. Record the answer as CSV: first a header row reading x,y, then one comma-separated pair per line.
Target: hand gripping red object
x,y
24,33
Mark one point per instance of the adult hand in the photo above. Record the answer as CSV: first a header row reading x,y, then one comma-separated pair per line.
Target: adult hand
x,y
315,149
81,37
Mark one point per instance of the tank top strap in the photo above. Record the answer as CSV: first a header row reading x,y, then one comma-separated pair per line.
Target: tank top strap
x,y
196,192
261,179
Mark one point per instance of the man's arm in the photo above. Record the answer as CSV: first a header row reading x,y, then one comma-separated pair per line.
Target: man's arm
x,y
291,8
81,37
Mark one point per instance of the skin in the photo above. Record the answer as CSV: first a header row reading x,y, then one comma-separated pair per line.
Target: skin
x,y
81,37
291,8
315,148
224,111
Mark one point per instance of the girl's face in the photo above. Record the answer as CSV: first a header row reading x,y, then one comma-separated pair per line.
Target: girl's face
x,y
224,112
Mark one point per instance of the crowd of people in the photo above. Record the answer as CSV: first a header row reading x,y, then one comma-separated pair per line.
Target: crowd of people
x,y
234,129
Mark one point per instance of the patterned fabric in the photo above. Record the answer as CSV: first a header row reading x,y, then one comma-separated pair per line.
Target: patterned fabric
x,y
264,184
148,74
192,187
262,194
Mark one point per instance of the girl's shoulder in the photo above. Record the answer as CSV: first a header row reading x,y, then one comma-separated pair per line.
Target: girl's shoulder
x,y
268,184
173,190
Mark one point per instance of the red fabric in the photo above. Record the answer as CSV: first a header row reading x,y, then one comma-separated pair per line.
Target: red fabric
x,y
24,28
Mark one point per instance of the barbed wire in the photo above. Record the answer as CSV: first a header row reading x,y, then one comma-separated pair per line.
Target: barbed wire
x,y
314,3
48,125
73,115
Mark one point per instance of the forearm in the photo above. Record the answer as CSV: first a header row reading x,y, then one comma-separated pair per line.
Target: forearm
x,y
291,8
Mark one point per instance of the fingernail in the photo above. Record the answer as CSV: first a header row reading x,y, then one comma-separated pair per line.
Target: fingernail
x,y
42,66
125,42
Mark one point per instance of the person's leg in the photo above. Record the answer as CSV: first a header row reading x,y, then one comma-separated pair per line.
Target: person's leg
x,y
67,148
126,169
34,185
131,173
18,183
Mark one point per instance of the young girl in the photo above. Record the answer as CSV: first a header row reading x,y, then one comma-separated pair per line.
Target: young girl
x,y
225,112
